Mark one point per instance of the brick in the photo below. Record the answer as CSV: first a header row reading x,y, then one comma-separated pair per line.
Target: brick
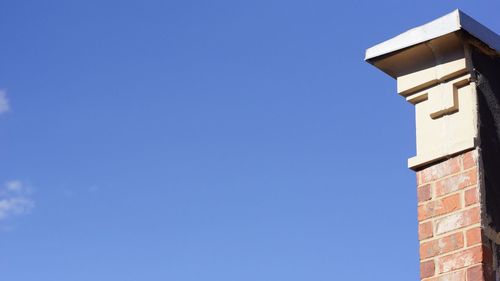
x,y
424,193
437,171
452,276
469,160
427,269
483,271
471,196
459,260
478,273
439,207
457,220
425,230
474,236
456,182
441,246
475,273
487,255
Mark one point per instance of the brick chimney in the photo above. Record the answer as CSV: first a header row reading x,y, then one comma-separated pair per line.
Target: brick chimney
x,y
449,69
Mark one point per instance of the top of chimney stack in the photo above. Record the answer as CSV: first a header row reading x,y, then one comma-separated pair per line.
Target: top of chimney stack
x,y
452,22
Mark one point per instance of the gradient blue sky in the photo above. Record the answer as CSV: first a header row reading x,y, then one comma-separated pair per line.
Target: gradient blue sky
x,y
207,140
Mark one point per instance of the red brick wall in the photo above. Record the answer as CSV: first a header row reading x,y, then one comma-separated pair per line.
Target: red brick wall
x,y
453,246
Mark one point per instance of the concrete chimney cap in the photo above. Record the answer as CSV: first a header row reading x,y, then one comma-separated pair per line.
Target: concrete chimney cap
x,y
452,22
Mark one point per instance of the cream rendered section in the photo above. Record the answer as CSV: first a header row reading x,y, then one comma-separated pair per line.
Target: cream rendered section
x,y
430,76
435,76
446,120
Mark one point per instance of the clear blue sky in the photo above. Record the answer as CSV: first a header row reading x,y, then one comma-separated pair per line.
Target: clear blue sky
x,y
207,140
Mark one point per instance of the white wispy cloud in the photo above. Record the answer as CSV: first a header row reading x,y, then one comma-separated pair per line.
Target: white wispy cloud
x,y
15,199
4,102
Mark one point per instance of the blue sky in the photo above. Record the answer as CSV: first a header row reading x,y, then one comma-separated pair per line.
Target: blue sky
x,y
206,140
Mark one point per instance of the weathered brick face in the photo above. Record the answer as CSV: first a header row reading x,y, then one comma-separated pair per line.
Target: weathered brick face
x,y
452,243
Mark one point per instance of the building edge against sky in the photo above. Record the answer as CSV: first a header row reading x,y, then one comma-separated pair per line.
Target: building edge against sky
x,y
449,69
